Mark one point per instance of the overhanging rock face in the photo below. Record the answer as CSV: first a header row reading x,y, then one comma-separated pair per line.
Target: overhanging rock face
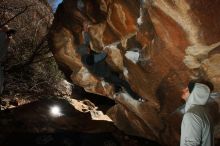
x,y
157,46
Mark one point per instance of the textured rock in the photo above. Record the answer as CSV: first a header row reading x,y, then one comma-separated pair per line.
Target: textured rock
x,y
176,41
45,122
25,126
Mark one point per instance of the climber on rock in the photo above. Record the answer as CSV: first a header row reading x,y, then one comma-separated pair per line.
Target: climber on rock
x,y
5,38
95,63
197,124
89,57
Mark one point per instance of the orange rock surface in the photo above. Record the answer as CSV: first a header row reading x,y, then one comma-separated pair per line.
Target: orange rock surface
x,y
177,41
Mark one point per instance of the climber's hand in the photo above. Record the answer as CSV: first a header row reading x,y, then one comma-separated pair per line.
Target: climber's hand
x,y
106,50
86,26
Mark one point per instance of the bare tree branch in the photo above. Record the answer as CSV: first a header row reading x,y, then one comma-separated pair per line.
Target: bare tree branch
x,y
19,13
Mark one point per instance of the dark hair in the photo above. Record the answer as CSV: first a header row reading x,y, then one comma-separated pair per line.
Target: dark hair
x,y
11,32
191,86
193,82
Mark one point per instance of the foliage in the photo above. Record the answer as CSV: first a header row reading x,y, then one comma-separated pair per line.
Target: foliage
x,y
30,67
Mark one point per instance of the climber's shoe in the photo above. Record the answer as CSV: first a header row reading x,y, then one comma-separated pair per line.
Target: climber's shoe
x,y
116,95
141,100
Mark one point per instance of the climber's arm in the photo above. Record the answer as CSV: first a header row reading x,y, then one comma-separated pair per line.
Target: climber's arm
x,y
86,36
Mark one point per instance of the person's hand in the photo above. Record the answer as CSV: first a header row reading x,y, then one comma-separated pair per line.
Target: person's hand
x,y
106,50
86,26
10,37
216,97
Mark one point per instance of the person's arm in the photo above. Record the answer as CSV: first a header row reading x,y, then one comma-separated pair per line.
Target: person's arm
x,y
216,97
83,49
4,28
191,130
86,36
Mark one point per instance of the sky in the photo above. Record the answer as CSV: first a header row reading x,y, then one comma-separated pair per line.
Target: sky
x,y
54,3
57,2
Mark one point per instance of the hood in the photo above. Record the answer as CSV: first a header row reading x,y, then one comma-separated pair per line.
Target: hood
x,y
199,96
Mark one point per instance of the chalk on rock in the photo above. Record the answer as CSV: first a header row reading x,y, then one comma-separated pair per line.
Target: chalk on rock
x,y
99,115
125,72
133,56
140,21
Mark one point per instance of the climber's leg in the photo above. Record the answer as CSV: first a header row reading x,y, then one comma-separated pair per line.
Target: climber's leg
x,y
114,79
99,57
127,87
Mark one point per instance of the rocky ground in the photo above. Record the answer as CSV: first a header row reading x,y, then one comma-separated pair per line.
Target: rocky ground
x,y
81,121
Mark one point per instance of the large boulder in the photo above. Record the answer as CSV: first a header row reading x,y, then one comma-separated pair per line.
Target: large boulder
x,y
174,41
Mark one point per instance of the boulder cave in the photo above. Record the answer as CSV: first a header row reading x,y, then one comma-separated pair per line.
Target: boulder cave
x,y
157,46
149,51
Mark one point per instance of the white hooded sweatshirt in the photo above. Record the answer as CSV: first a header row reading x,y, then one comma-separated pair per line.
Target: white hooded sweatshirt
x,y
197,127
